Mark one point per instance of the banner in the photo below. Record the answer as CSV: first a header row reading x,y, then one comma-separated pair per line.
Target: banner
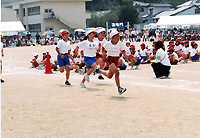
x,y
114,25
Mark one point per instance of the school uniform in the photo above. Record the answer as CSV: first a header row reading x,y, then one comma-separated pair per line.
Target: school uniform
x,y
99,55
113,52
193,54
89,49
143,54
162,65
63,47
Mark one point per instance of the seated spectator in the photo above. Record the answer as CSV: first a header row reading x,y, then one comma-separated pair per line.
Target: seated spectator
x,y
136,60
173,57
28,43
121,63
35,61
143,53
195,53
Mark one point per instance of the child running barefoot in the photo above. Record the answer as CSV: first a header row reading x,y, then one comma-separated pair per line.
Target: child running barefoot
x,y
90,48
113,48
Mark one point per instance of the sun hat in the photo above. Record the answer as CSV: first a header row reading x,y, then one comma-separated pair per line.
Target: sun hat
x,y
101,30
35,54
113,33
89,32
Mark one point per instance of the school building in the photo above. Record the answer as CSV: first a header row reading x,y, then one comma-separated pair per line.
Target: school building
x,y
50,15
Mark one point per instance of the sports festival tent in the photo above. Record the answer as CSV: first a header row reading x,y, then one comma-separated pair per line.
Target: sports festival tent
x,y
14,26
179,20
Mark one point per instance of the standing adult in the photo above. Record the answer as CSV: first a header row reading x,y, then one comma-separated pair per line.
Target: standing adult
x,y
37,36
161,66
63,49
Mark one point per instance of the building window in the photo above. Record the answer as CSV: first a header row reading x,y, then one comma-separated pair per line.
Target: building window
x,y
34,27
197,11
141,9
24,12
17,13
49,28
150,11
34,11
48,10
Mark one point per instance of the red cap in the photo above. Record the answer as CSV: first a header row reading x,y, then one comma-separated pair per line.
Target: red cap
x,y
120,53
171,48
81,51
172,44
132,47
186,41
171,41
143,44
64,32
192,43
182,42
178,40
154,41
162,41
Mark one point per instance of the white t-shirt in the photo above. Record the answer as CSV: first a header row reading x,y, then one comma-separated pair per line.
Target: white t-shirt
x,y
102,43
113,50
127,49
63,46
162,57
136,55
177,48
77,60
38,60
89,48
175,56
121,58
193,52
143,52
186,50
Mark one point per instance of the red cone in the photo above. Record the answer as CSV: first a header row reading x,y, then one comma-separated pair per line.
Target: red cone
x,y
48,65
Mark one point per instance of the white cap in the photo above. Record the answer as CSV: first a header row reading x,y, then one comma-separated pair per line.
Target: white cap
x,y
35,54
88,32
101,30
128,41
113,33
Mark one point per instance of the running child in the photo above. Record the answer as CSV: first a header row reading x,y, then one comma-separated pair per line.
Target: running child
x,y
100,58
63,49
113,48
90,47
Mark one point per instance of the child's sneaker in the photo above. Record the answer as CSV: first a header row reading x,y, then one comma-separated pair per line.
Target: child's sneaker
x,y
101,77
137,67
121,90
87,77
82,85
67,82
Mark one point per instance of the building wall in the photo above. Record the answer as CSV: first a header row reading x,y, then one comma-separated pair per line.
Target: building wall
x,y
8,15
158,9
143,13
188,12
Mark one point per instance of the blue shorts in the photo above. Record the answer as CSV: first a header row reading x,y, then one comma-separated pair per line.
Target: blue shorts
x,y
89,61
138,62
63,62
196,57
144,58
123,67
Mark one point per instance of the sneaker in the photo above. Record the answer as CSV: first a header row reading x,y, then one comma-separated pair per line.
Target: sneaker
x,y
137,67
82,85
67,82
87,77
167,77
2,81
131,68
101,78
121,90
97,70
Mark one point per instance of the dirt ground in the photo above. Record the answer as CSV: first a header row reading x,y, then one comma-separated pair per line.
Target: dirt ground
x,y
36,105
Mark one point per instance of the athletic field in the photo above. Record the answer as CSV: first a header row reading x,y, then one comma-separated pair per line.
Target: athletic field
x,y
36,105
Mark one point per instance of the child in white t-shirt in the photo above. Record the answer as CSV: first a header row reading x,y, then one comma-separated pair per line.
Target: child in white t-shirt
x,y
35,61
143,53
173,57
195,53
89,47
113,48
